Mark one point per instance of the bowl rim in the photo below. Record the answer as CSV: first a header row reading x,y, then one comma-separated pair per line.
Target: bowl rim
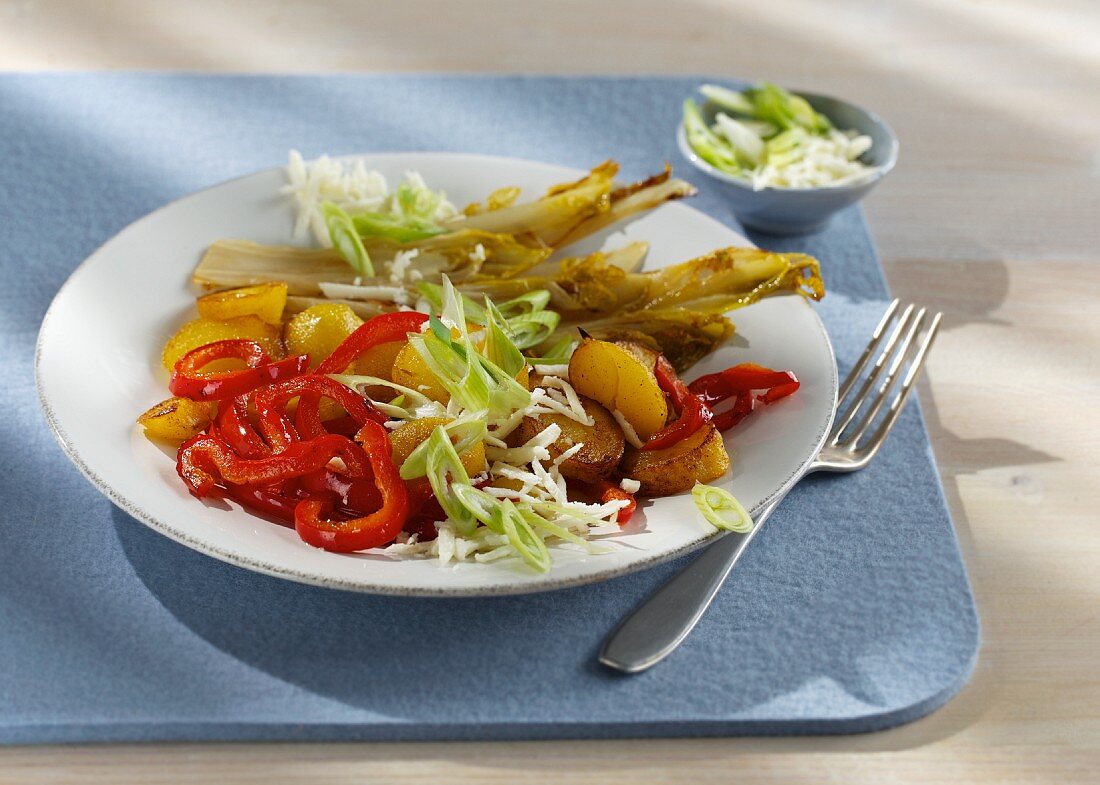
x,y
880,171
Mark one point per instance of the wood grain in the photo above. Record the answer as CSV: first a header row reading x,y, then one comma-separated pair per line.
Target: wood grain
x,y
991,215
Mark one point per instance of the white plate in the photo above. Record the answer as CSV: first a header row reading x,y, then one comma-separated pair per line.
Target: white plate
x,y
110,320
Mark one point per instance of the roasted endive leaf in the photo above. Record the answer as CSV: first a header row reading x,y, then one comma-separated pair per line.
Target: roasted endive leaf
x,y
729,278
458,254
683,336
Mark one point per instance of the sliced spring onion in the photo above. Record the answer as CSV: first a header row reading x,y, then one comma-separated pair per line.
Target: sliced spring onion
x,y
525,318
457,370
741,137
786,148
433,293
522,538
345,238
400,229
730,100
417,202
499,347
530,302
558,354
532,329
452,309
772,104
474,382
707,143
480,504
409,404
721,508
445,470
538,522
463,434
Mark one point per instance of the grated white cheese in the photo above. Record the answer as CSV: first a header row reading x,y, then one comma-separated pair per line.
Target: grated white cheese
x,y
820,161
561,371
478,254
543,403
399,267
567,454
350,186
534,449
628,430
629,485
571,399
344,291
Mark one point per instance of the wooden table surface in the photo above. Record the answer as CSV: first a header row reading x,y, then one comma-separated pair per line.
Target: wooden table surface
x,y
993,215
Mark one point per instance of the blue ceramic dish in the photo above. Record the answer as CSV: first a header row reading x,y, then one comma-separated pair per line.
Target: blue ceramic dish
x,y
803,210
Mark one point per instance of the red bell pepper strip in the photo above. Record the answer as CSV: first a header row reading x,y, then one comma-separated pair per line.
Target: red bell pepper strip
x,y
693,415
355,495
671,384
609,492
271,404
203,459
384,328
189,381
368,531
739,382
267,499
234,428
424,512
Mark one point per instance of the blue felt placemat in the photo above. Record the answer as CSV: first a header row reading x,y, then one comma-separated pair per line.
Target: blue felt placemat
x,y
851,611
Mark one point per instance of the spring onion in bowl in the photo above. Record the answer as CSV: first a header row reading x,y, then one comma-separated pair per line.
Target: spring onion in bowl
x,y
773,139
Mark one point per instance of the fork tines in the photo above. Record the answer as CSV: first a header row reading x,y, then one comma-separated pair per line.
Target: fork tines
x,y
895,346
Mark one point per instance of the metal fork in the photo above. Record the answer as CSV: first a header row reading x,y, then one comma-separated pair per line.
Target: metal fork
x,y
660,624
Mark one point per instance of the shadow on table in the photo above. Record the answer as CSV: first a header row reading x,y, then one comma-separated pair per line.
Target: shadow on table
x,y
397,657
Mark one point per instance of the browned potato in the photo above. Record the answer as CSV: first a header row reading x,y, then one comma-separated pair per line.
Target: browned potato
x,y
642,352
199,332
702,456
603,441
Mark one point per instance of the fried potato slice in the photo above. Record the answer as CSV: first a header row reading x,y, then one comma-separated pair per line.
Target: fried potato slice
x,y
603,441
199,332
620,377
177,419
700,457
265,300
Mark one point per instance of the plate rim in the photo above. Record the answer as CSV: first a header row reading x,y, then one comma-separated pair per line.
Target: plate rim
x,y
267,568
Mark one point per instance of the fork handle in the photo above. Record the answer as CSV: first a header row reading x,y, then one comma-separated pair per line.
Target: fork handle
x,y
659,625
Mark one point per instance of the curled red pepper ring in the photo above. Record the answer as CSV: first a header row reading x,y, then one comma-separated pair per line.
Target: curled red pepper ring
x,y
307,419
384,328
271,406
368,531
204,459
693,415
188,380
234,428
739,382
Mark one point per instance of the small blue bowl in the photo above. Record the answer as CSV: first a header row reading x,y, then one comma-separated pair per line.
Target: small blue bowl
x,y
791,211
